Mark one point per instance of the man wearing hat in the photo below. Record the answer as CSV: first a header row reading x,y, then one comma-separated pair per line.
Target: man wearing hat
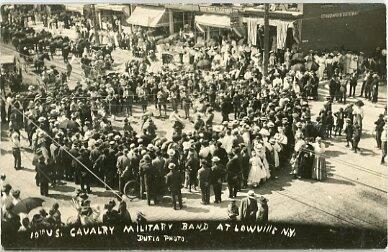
x,y
6,195
248,208
217,174
309,130
147,179
221,153
348,131
233,170
384,141
43,171
226,106
204,182
10,222
379,129
172,158
191,169
173,181
16,197
233,211
158,165
122,165
262,213
15,139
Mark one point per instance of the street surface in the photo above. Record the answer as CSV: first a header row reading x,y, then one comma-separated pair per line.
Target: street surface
x,y
355,193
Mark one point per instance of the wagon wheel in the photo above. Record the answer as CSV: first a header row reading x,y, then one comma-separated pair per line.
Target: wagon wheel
x,y
131,189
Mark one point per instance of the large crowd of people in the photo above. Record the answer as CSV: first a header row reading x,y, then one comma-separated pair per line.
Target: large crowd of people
x,y
73,136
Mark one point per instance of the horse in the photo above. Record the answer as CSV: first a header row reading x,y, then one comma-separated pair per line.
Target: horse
x,y
39,61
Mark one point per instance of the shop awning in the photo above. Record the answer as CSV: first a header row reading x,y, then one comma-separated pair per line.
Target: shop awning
x,y
220,21
75,8
149,17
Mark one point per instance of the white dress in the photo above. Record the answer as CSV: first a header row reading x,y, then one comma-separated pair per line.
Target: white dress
x,y
247,140
257,172
265,163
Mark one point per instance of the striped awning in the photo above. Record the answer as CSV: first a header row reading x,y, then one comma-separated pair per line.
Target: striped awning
x,y
149,17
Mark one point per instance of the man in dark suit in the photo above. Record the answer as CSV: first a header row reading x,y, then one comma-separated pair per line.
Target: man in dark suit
x,y
43,175
217,174
248,208
192,166
147,178
233,170
262,213
204,182
220,152
85,170
173,181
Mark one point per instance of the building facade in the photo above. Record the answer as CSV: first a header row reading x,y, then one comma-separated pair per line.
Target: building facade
x,y
358,27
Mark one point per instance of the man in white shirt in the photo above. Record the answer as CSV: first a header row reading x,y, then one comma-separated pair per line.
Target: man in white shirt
x,y
15,139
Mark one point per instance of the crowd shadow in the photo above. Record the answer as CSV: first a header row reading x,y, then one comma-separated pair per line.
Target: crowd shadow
x,y
59,196
4,151
192,195
192,209
4,131
63,188
27,169
334,153
367,152
105,194
26,149
375,197
329,169
331,180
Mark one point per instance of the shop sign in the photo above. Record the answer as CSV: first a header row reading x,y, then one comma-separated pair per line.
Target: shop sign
x,y
185,7
217,10
339,14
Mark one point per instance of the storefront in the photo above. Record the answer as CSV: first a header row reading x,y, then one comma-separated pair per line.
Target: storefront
x,y
182,17
216,21
282,33
112,15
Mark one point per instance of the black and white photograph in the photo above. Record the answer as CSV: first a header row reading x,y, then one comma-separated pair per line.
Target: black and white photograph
x,y
193,126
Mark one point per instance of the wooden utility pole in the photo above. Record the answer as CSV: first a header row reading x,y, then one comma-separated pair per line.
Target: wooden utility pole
x,y
266,39
96,26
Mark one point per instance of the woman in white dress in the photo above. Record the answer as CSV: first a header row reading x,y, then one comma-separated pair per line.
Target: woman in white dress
x,y
247,138
321,60
319,168
260,150
257,171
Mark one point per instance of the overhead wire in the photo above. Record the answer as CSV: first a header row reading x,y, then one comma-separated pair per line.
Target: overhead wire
x,y
69,153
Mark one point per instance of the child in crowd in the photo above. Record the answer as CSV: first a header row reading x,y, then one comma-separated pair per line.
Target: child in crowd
x,y
349,132
329,124
339,122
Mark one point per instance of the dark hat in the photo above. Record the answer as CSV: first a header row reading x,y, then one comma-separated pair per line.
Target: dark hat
x,y
43,212
7,187
83,196
263,200
16,193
